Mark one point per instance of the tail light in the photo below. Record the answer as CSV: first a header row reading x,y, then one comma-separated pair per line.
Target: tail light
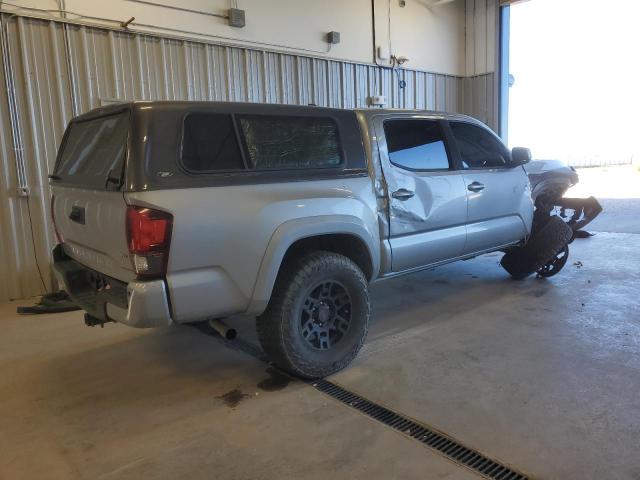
x,y
53,218
149,239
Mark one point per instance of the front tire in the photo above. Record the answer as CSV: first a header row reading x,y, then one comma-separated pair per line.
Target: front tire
x,y
544,245
318,315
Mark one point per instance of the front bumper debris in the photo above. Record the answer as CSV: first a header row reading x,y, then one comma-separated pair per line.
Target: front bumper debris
x,y
578,212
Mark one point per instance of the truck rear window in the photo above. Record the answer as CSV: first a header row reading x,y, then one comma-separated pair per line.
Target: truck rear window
x,y
93,151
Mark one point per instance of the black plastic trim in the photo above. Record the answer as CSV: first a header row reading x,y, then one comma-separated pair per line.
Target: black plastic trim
x,y
80,282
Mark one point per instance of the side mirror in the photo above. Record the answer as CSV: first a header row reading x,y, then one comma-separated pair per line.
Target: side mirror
x,y
520,156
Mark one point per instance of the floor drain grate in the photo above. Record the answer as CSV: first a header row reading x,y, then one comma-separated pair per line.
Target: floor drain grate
x,y
444,445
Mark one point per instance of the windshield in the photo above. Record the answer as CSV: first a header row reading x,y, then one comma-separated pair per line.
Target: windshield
x,y
92,154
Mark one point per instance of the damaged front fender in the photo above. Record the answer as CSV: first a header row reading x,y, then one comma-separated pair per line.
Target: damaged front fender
x,y
550,180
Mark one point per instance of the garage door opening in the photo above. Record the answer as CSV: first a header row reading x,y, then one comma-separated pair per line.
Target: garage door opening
x,y
575,70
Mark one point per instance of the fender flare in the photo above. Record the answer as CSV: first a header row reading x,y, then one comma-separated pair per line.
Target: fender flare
x,y
290,232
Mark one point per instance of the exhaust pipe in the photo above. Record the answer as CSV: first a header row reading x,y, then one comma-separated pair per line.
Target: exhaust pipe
x,y
225,331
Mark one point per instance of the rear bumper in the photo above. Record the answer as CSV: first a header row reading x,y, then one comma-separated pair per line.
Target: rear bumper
x,y
140,304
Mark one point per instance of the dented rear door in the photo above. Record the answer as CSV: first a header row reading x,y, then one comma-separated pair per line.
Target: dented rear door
x,y
427,196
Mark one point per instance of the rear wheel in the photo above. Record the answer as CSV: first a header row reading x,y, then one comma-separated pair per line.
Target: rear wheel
x,y
545,245
318,316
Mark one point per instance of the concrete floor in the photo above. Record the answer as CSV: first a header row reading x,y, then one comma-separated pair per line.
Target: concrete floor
x,y
173,403
541,374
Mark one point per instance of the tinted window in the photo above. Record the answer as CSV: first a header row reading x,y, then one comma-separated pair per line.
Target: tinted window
x,y
279,142
210,143
479,148
94,150
416,144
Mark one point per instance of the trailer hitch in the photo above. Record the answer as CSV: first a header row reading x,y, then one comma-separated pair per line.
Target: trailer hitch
x,y
91,321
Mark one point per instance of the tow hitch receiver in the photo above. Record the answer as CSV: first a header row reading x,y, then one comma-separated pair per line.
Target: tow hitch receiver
x,y
91,321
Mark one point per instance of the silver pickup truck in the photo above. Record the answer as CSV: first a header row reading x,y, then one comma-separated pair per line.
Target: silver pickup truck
x,y
179,212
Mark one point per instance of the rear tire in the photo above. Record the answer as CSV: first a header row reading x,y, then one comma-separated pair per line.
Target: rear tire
x,y
318,315
545,244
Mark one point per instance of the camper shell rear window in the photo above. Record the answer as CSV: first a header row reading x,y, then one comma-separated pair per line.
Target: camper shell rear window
x,y
93,152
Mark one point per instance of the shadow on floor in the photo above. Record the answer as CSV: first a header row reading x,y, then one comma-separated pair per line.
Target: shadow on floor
x,y
137,370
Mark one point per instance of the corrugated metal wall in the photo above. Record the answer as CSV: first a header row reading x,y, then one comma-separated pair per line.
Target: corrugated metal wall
x,y
480,98
481,31
61,70
481,86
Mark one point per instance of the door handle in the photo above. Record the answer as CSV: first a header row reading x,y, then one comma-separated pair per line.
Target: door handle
x,y
403,194
475,186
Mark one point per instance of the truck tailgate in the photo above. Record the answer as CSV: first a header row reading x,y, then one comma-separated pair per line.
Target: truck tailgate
x,y
88,207
92,225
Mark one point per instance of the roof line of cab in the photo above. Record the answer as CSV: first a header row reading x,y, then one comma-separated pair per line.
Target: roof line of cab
x,y
185,105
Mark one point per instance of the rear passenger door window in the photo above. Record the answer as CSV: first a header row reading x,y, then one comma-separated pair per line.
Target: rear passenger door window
x,y
479,148
288,142
210,144
416,144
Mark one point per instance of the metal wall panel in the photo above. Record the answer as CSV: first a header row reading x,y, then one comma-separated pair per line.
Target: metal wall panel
x,y
482,31
480,98
14,236
61,70
42,99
